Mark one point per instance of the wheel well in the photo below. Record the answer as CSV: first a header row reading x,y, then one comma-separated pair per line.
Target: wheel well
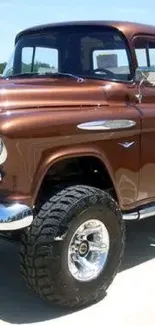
x,y
77,170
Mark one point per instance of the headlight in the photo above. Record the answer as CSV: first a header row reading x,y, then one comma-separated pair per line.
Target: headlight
x,y
1,146
3,152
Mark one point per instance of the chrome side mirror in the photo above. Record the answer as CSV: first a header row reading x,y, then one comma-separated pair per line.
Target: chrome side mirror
x,y
145,74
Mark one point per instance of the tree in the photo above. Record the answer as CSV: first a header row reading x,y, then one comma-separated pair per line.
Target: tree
x,y
37,65
2,67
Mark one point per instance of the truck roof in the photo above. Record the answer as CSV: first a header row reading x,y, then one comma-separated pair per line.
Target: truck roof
x,y
127,28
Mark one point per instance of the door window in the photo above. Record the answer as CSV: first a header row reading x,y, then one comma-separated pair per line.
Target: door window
x,y
141,57
145,52
141,50
151,46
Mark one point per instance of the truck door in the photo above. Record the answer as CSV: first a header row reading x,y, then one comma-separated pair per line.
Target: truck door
x,y
145,54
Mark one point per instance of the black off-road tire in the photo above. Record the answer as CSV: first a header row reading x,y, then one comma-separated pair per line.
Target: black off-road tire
x,y
44,247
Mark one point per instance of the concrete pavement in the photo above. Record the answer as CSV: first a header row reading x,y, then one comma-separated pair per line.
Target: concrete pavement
x,y
130,299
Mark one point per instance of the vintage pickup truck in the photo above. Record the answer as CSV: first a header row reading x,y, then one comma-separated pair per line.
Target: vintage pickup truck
x,y
77,151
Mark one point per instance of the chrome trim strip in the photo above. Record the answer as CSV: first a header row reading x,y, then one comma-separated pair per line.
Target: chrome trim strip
x,y
3,154
15,216
148,212
107,125
143,213
131,216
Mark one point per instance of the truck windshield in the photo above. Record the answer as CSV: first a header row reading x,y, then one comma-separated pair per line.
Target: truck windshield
x,y
87,52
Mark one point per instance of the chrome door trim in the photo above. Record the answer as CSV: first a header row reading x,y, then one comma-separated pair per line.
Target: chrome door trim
x,y
107,125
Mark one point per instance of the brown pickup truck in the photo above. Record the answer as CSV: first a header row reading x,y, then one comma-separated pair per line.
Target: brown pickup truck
x,y
77,152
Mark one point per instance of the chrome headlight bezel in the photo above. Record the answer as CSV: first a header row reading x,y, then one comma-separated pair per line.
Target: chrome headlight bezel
x,y
3,152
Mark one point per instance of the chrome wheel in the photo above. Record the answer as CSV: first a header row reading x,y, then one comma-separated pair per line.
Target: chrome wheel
x,y
88,250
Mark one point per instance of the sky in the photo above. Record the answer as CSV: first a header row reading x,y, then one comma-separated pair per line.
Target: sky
x,y
16,15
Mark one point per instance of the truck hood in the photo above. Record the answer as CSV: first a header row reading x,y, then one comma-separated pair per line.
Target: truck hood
x,y
51,92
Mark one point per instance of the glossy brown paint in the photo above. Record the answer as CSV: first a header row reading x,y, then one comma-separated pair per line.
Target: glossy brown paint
x,y
39,119
147,108
45,131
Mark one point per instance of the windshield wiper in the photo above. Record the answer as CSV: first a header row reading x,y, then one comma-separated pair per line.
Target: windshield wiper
x,y
64,74
22,75
46,74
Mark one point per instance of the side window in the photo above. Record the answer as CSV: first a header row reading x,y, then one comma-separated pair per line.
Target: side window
x,y
151,47
141,57
145,52
39,59
141,52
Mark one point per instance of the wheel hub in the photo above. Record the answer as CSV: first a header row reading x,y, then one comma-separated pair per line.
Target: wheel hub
x,y
84,248
88,250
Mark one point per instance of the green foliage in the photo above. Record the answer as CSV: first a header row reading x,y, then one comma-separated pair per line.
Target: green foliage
x,y
2,67
26,67
37,65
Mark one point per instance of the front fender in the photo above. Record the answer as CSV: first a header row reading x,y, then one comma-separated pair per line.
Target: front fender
x,y
70,152
37,139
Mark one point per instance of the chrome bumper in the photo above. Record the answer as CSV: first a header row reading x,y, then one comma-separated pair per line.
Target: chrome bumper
x,y
15,216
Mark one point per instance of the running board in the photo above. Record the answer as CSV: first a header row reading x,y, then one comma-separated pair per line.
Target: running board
x,y
143,213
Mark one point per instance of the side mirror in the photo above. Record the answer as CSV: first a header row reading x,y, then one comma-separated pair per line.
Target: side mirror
x,y
145,74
